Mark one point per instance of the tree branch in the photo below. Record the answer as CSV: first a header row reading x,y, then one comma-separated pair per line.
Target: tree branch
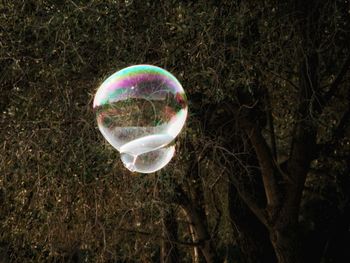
x,y
304,137
260,213
266,161
196,219
246,194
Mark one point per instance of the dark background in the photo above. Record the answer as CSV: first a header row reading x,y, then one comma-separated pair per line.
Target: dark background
x,y
261,172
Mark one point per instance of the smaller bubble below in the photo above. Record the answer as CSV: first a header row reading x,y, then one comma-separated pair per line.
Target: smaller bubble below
x,y
148,162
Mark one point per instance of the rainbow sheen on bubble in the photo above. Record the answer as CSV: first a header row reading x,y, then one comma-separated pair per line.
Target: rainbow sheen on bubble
x,y
140,110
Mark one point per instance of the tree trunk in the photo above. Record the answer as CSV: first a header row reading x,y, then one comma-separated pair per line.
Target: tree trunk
x,y
196,220
287,245
285,230
169,250
253,237
192,202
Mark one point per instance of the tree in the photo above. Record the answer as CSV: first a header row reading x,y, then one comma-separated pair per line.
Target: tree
x,y
261,172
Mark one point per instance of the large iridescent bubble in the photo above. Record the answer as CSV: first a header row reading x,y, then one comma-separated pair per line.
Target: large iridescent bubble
x,y
140,110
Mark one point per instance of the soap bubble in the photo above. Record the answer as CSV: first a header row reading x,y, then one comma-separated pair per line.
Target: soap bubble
x,y
140,110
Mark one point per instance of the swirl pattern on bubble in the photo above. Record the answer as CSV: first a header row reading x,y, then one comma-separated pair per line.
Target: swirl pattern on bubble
x,y
140,110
